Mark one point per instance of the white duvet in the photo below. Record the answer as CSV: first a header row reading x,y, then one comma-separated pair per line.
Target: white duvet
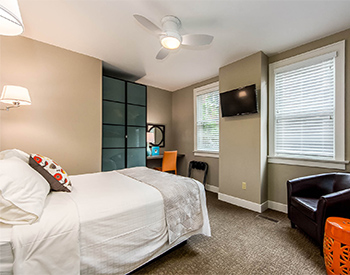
x,y
50,246
108,224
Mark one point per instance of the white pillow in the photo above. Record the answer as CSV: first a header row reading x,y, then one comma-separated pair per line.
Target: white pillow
x,y
22,192
14,153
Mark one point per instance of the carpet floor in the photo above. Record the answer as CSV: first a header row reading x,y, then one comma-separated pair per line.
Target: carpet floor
x,y
242,242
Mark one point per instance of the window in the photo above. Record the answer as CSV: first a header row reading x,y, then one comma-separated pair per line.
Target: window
x,y
206,120
307,109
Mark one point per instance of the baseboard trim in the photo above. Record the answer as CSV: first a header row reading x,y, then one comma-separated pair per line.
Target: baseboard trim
x,y
256,207
264,206
277,206
280,207
212,188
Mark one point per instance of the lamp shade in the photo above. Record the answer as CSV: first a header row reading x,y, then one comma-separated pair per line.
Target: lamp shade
x,y
15,95
150,137
10,18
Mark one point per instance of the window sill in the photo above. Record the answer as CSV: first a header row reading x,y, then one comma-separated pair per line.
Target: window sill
x,y
330,164
206,154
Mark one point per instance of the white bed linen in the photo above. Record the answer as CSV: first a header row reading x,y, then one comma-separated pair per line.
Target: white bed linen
x,y
6,256
181,197
117,216
51,245
117,234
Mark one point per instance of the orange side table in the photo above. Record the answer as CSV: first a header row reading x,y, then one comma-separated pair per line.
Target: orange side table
x,y
336,246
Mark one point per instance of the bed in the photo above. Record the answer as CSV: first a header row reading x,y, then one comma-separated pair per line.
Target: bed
x,y
110,223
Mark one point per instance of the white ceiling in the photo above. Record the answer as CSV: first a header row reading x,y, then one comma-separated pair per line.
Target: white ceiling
x,y
106,29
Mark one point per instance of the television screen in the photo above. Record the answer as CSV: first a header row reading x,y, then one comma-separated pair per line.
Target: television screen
x,y
240,101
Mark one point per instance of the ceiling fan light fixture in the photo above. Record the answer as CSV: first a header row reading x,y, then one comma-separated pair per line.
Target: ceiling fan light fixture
x,y
169,35
170,42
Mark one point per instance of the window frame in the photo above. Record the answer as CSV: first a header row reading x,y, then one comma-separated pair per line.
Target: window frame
x,y
212,87
338,162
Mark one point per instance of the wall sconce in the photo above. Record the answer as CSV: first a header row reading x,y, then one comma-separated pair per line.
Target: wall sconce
x,y
15,95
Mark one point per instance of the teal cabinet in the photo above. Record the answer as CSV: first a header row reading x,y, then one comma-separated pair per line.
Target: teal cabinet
x,y
136,94
124,124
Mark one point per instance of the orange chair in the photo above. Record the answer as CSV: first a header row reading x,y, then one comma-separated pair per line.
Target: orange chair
x,y
169,162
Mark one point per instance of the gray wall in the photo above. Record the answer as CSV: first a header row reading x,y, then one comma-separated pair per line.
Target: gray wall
x,y
243,139
278,174
159,111
241,155
183,132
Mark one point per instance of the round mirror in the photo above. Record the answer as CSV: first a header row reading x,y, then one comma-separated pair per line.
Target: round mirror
x,y
159,134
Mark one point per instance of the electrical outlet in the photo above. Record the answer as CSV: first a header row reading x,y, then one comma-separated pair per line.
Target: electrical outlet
x,y
244,185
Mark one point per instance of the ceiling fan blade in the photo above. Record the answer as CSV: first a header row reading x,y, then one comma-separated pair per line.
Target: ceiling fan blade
x,y
196,39
163,53
147,24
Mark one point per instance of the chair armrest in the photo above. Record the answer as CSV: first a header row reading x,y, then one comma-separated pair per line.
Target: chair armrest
x,y
335,197
336,204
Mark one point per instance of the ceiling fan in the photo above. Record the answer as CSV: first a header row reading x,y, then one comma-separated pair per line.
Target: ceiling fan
x,y
169,35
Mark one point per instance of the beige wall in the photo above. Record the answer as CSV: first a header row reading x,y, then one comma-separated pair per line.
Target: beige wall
x,y
243,138
278,174
64,120
159,111
183,132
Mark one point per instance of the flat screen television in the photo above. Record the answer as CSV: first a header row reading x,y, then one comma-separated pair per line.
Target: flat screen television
x,y
240,101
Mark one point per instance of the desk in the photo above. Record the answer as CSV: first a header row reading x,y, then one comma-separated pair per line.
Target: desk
x,y
155,161
161,156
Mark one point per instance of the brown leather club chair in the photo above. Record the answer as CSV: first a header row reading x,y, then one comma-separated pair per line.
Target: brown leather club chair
x,y
312,199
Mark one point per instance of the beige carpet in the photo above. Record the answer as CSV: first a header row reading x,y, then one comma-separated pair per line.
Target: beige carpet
x,y
242,243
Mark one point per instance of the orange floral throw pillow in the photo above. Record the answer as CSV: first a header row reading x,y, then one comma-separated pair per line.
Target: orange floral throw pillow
x,y
52,172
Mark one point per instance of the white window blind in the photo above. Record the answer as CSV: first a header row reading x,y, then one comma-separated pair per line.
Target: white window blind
x,y
207,121
304,109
